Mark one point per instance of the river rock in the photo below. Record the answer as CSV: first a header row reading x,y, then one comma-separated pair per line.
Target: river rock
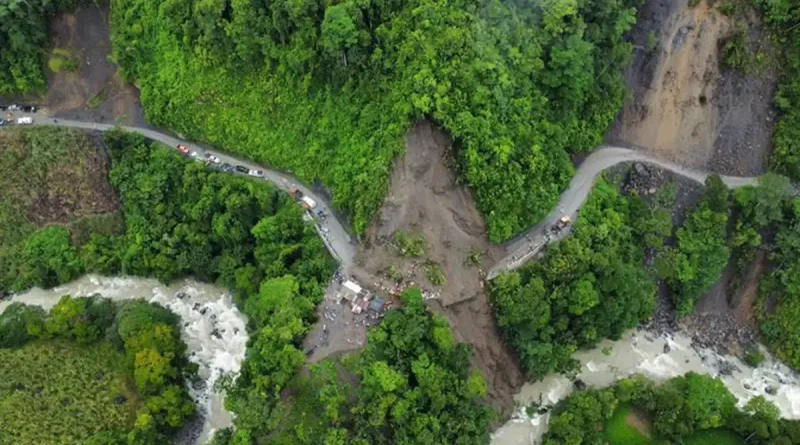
x,y
771,390
667,348
120,399
579,385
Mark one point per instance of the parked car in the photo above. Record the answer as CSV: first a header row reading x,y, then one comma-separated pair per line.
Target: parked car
x,y
226,167
256,173
183,149
29,108
242,169
27,120
212,158
2,122
13,107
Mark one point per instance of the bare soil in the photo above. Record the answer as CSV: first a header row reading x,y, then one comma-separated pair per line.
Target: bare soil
x,y
683,107
94,91
424,199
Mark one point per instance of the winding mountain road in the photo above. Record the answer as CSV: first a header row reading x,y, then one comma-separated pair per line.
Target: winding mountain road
x,y
344,248
336,238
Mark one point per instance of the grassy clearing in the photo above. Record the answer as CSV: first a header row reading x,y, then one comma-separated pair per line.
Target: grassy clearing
x,y
618,431
66,394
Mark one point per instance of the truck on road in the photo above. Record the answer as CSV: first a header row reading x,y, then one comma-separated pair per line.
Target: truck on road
x,y
27,120
308,203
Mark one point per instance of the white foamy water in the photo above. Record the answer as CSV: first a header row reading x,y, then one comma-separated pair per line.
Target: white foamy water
x,y
212,327
639,352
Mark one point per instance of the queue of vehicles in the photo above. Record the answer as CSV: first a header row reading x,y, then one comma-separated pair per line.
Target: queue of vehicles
x,y
305,201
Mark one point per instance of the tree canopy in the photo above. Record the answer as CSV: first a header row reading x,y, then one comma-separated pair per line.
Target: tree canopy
x,y
590,286
326,90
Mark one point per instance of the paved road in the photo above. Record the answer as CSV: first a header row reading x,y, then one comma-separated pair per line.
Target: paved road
x,y
519,250
523,248
338,241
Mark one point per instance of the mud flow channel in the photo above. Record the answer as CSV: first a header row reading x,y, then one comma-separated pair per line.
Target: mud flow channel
x,y
659,358
213,328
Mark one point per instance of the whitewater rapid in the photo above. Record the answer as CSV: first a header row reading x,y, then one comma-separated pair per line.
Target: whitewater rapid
x,y
212,327
659,358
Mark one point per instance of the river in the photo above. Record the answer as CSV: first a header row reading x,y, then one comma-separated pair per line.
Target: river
x,y
641,352
215,332
213,328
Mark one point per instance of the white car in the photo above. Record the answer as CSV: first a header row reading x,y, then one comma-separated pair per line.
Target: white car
x,y
256,173
213,159
27,120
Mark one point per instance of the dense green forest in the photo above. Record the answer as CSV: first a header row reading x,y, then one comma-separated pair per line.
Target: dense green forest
x,y
411,384
327,90
24,31
689,409
590,286
782,18
92,372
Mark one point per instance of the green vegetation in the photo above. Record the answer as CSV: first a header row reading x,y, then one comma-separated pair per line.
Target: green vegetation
x,y
701,252
714,437
474,257
23,33
51,394
734,51
782,18
651,44
92,371
691,409
617,431
753,355
409,245
411,384
434,273
50,175
327,90
590,286
62,60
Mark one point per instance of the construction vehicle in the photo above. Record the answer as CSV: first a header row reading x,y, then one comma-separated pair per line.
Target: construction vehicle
x,y
561,224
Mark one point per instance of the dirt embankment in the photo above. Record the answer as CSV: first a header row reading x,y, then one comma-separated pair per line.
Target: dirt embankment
x,y
87,85
425,200
684,107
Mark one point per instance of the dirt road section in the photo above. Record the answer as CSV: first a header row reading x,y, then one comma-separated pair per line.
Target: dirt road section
x,y
684,108
424,199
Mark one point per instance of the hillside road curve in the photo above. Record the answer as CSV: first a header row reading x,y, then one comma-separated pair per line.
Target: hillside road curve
x,y
336,238
344,248
525,247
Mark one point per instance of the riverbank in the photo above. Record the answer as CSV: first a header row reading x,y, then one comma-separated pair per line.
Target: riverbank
x,y
213,329
658,357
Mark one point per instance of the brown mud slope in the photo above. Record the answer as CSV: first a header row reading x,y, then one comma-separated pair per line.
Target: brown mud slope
x,y
683,107
94,91
424,199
